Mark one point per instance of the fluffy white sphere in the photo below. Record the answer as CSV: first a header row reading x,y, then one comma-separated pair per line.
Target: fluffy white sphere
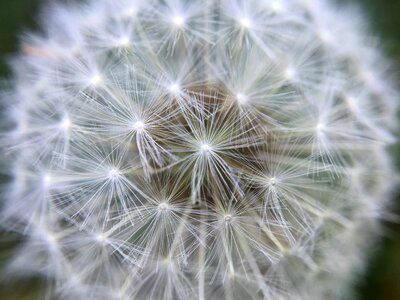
x,y
197,149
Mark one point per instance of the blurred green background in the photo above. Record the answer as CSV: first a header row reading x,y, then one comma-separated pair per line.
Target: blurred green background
x,y
382,279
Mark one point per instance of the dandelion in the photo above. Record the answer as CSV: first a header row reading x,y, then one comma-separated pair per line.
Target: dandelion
x,y
196,150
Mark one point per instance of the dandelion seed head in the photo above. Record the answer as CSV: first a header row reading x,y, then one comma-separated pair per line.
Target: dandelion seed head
x,y
196,149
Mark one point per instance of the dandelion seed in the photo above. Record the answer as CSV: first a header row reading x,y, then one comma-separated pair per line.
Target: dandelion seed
x,y
47,180
95,80
138,126
290,73
205,148
102,238
242,99
320,128
228,218
276,7
245,23
174,88
124,41
113,174
163,206
65,124
178,21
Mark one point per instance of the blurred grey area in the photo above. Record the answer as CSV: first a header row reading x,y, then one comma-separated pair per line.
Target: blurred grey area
x,y
382,279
